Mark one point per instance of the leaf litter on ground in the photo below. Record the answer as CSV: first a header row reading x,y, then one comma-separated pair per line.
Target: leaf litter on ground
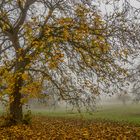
x,y
54,128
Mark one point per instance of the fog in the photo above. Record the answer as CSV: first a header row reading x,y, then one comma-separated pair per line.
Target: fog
x,y
104,101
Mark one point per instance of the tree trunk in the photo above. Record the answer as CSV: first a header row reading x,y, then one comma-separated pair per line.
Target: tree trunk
x,y
16,106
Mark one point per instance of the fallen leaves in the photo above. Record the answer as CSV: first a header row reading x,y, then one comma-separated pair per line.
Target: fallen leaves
x,y
45,128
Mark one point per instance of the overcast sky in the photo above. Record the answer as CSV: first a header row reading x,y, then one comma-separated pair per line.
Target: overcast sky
x,y
134,3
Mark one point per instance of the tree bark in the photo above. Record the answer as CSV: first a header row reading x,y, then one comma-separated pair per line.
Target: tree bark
x,y
16,112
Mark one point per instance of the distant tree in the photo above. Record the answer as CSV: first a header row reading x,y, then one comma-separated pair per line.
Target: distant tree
x,y
135,81
134,56
41,41
124,97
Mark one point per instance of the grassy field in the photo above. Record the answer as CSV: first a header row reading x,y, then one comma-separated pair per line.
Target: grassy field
x,y
128,113
121,113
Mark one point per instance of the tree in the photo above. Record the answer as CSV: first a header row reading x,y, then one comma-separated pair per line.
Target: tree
x,y
124,97
44,41
135,81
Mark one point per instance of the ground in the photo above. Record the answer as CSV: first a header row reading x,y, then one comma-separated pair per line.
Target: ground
x,y
108,123
114,112
54,128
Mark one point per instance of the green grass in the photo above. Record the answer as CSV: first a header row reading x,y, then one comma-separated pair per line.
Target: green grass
x,y
1,111
117,113
120,113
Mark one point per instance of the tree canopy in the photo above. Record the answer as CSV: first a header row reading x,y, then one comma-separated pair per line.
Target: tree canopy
x,y
65,46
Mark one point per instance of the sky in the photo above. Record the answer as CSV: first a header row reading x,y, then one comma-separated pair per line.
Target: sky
x,y
104,7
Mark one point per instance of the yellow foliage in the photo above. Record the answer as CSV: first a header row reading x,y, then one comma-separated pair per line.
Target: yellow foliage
x,y
32,89
25,76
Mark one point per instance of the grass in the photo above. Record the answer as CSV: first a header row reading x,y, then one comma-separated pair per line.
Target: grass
x,y
1,111
119,113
